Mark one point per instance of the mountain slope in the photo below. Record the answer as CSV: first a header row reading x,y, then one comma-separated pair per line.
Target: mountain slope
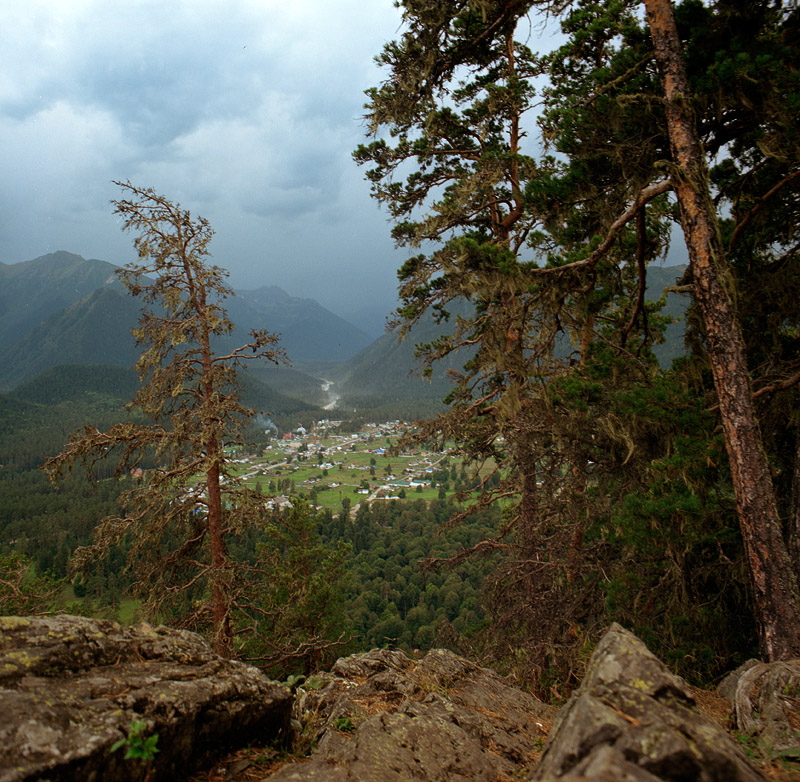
x,y
388,369
94,330
659,278
309,332
32,291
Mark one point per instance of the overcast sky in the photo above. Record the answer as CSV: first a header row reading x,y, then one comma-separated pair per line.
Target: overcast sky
x,y
244,111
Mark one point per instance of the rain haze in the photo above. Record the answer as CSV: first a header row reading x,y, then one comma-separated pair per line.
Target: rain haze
x,y
245,112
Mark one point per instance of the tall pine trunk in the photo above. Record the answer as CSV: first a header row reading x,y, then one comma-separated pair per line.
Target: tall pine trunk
x,y
774,583
219,603
220,613
794,510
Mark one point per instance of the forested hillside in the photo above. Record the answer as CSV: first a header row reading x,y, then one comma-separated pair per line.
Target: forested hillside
x,y
47,523
36,520
368,588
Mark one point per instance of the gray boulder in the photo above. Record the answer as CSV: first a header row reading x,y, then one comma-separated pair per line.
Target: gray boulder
x,y
70,688
382,716
766,706
633,720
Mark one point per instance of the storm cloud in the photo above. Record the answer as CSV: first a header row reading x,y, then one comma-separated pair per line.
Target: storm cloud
x,y
246,112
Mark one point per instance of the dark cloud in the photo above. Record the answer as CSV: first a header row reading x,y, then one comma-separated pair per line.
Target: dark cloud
x,y
244,111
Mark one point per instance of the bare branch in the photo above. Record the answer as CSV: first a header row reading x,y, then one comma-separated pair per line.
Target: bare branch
x,y
647,194
745,221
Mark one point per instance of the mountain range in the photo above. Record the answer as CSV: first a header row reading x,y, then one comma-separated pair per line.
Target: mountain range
x,y
64,309
61,309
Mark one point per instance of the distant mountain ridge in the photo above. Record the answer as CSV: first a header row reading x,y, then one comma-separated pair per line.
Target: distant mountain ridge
x,y
63,309
388,368
309,332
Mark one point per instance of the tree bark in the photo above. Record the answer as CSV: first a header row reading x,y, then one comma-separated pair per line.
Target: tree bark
x,y
219,603
774,583
794,510
223,645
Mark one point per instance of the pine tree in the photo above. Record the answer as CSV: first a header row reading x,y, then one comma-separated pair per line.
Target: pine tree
x,y
292,617
180,511
552,250
774,581
23,590
554,316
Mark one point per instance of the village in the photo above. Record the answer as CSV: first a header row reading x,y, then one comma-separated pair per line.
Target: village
x,y
342,470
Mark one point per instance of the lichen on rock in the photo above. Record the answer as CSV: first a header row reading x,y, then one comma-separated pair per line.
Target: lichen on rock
x,y
440,718
633,719
70,688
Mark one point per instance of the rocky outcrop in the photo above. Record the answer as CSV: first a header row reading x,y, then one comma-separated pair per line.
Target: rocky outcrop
x,y
766,706
382,716
71,687
632,720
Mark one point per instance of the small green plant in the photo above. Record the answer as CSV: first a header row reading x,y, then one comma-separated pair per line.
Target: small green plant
x,y
294,681
748,742
137,745
344,725
314,683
